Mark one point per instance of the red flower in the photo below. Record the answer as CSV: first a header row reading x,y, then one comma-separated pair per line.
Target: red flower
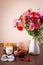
x,y
33,13
34,17
21,17
36,25
29,10
20,28
41,20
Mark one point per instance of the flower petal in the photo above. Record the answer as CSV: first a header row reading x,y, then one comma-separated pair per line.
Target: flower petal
x,y
20,28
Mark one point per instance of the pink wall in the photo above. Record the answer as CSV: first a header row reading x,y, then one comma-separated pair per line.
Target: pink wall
x,y
11,9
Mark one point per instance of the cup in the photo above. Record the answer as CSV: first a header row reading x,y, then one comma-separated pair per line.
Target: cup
x,y
9,50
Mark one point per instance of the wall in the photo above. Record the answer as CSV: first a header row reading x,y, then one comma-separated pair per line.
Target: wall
x,y
11,9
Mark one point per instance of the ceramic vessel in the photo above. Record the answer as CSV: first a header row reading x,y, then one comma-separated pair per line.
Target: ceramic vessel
x,y
34,46
9,50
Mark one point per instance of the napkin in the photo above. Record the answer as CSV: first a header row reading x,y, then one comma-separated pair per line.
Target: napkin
x,y
7,57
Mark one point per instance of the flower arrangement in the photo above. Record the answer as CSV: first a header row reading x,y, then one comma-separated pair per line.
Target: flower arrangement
x,y
31,21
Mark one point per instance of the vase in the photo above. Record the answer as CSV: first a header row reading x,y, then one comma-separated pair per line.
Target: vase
x,y
34,46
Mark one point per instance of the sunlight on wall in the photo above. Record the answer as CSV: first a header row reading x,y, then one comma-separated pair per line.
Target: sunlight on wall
x,y
11,9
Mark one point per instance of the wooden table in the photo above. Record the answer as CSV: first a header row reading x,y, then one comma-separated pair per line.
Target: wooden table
x,y
34,60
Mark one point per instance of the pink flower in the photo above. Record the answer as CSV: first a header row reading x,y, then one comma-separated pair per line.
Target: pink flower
x,y
31,26
20,23
37,13
15,23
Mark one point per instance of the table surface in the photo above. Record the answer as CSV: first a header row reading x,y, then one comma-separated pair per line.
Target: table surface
x,y
34,60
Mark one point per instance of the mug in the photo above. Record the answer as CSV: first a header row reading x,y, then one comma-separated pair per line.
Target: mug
x,y
9,50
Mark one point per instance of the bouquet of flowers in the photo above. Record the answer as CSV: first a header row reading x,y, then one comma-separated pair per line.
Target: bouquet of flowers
x,y
31,21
